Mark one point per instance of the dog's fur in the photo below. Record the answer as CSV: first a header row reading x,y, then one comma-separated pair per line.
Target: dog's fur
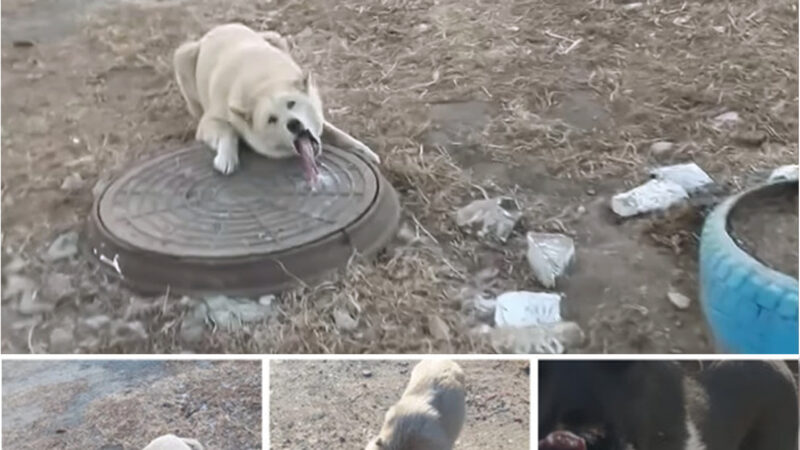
x,y
172,442
430,413
657,405
241,83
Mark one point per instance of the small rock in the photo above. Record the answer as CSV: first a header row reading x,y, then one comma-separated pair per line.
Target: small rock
x,y
689,176
16,285
22,43
494,217
266,300
784,173
549,255
661,148
29,304
128,332
343,320
725,119
655,195
750,138
72,182
57,286
438,328
65,246
97,322
366,373
679,300
632,6
61,340
522,308
16,265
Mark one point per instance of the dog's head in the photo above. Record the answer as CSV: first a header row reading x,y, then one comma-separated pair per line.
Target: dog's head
x,y
581,405
284,119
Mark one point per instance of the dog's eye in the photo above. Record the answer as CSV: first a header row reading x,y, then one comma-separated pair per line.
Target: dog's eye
x,y
290,105
272,119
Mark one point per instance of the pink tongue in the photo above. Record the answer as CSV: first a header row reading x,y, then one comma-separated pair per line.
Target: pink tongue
x,y
310,168
562,440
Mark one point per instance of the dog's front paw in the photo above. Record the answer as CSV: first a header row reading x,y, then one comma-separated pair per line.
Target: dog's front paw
x,y
226,163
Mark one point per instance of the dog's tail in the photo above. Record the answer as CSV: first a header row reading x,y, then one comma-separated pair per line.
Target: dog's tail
x,y
185,64
195,445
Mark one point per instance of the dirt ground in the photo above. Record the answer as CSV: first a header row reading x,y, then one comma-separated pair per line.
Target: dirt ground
x,y
123,405
554,103
341,404
766,230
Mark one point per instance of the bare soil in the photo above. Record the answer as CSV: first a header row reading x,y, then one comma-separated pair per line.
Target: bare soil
x,y
765,229
123,405
341,404
554,103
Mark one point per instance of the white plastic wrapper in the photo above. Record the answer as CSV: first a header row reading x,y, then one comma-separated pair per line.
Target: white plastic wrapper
x,y
549,255
552,338
523,308
655,195
494,217
784,173
689,176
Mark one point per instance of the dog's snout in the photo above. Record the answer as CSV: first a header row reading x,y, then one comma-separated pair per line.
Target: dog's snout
x,y
294,126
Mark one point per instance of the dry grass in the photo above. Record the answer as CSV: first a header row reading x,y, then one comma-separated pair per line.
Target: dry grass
x,y
219,405
660,73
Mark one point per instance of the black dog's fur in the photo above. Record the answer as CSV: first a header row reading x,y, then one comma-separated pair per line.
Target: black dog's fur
x,y
644,405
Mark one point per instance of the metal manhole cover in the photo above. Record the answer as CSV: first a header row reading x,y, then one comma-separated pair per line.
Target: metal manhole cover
x,y
175,222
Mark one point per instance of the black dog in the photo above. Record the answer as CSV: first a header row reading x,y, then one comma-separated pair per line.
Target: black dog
x,y
657,405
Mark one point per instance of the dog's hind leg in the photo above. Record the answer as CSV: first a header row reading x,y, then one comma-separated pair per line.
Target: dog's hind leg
x,y
185,63
338,138
222,138
275,39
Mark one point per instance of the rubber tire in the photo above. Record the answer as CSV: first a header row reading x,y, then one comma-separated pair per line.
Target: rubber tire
x,y
749,307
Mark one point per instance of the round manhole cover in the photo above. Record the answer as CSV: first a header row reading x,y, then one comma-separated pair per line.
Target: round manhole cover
x,y
174,223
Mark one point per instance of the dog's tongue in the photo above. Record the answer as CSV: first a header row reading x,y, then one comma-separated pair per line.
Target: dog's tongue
x,y
305,147
562,440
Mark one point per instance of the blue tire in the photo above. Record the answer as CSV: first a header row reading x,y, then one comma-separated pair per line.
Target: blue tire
x,y
749,307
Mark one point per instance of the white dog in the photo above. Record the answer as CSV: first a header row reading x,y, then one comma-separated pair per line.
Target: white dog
x,y
172,442
430,414
241,83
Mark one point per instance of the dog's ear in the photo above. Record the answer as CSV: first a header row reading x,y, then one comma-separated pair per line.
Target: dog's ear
x,y
307,83
242,109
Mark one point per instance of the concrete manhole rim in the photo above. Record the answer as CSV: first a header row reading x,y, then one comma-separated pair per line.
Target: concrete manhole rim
x,y
150,272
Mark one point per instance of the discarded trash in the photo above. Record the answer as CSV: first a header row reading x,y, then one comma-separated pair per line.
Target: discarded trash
x,y
65,246
725,119
549,255
784,173
679,300
72,182
223,312
523,308
552,338
689,176
655,195
494,217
